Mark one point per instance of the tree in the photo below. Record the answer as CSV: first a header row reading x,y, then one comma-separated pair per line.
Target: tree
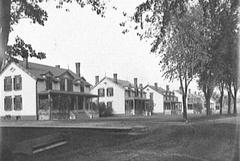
x,y
183,51
11,11
174,26
216,15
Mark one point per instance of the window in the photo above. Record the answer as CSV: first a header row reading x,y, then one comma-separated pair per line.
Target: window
x,y
48,83
101,92
82,88
18,103
17,82
109,92
8,103
62,85
8,83
69,85
190,106
109,104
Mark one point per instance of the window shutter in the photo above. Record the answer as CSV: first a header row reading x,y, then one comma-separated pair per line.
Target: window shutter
x,y
10,84
14,83
20,82
20,102
5,84
15,103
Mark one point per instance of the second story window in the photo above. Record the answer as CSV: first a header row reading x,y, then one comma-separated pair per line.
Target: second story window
x,y
8,103
62,84
8,83
18,103
109,92
69,85
82,88
48,83
17,82
101,92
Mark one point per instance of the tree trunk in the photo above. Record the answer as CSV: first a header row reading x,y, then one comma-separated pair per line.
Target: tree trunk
x,y
207,99
4,28
229,102
235,102
184,106
221,98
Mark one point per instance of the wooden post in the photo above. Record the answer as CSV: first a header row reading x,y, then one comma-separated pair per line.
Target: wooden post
x,y
76,107
84,103
50,106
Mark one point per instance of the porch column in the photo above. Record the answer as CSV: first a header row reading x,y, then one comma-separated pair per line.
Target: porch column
x,y
38,104
133,106
84,103
50,106
76,106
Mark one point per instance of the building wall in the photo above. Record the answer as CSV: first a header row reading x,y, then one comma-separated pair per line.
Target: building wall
x,y
157,100
118,100
28,93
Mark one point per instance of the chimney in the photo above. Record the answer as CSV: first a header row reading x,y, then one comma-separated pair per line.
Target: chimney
x,y
115,77
195,92
25,62
141,86
135,82
96,79
57,66
156,85
78,69
189,91
167,87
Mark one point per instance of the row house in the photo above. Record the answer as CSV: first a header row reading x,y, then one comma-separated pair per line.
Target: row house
x,y
40,92
164,100
123,97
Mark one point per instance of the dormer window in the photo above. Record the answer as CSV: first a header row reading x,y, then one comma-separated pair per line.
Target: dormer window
x,y
48,83
69,85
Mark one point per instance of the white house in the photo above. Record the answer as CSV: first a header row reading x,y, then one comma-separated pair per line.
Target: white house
x,y
35,91
123,97
157,95
164,101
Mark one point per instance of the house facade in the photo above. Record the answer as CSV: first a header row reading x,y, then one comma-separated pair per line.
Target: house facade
x,y
39,92
123,97
164,100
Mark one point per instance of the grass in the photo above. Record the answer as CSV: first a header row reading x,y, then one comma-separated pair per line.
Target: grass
x,y
166,142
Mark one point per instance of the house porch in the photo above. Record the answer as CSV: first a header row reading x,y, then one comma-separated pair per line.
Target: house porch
x,y
64,105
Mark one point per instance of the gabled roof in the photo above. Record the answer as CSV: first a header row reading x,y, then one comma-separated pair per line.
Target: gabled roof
x,y
38,70
120,83
160,90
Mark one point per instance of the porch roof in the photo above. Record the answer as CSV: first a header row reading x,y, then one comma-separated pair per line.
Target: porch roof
x,y
67,93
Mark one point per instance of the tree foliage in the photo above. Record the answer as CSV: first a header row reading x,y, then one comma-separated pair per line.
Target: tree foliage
x,y
11,11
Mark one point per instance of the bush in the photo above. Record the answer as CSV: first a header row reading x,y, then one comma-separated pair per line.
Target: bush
x,y
105,111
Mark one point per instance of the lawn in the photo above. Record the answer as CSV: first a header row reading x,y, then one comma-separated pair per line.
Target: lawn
x,y
199,141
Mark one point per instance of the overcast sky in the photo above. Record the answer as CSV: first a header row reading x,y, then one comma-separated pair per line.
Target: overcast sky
x,y
97,43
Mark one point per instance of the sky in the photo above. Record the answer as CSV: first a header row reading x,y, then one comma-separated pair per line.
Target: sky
x,y
97,43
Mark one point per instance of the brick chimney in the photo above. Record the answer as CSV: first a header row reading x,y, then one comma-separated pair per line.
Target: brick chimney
x,y
25,63
96,79
167,87
115,77
78,69
156,85
135,82
57,66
